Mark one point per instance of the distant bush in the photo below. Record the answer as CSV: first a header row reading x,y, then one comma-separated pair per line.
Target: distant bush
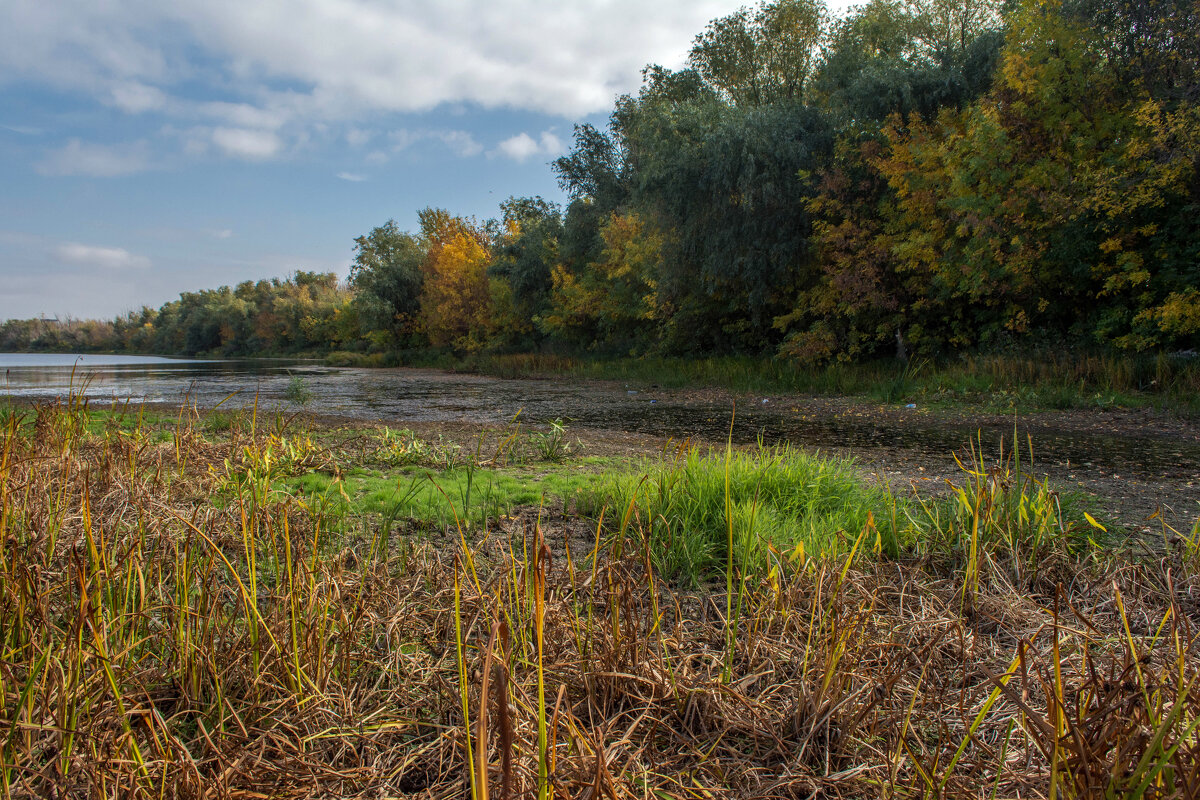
x,y
343,358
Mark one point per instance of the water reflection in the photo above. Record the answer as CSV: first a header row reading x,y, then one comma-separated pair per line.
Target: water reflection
x,y
133,378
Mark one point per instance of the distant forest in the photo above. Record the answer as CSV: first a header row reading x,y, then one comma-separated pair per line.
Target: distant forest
x,y
922,177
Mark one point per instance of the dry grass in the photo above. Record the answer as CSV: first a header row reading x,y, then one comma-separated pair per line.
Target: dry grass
x,y
154,642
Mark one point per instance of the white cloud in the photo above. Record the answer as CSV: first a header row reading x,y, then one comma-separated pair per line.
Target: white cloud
x,y
523,146
342,60
519,147
136,98
224,233
353,177
461,143
252,145
551,144
241,115
103,257
96,160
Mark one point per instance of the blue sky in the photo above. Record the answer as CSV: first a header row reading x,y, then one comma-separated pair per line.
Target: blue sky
x,y
148,148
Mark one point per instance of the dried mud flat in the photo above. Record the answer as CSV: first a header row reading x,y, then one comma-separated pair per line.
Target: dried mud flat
x,y
1141,466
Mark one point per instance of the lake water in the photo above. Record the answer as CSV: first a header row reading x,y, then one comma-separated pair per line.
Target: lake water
x,y
396,396
140,379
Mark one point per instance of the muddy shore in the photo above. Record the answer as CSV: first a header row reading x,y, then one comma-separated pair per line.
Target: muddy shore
x,y
1142,466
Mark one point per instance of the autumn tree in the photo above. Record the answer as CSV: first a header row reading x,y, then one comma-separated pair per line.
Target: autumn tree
x,y
611,304
456,296
1058,203
764,55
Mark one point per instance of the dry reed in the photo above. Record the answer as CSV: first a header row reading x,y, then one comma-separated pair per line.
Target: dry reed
x,y
172,626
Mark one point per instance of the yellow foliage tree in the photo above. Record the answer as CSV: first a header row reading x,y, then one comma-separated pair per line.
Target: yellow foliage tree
x,y
613,300
456,297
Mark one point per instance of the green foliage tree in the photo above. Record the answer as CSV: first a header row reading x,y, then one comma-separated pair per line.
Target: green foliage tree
x,y
890,57
729,185
596,167
387,276
527,249
762,56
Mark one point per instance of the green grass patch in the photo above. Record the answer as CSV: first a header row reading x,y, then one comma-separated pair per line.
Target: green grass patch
x,y
441,497
780,506
771,503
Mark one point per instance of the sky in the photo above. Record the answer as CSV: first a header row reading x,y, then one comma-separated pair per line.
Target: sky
x,y
150,147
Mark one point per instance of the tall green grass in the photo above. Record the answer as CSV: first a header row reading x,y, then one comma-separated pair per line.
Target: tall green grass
x,y
441,496
779,507
780,503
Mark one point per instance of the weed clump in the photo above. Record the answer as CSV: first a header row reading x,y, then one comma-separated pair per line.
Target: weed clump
x,y
298,392
783,504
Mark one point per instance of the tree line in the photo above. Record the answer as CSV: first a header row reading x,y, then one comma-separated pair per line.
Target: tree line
x,y
307,312
915,177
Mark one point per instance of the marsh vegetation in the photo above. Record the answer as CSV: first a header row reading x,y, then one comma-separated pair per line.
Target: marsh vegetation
x,y
236,604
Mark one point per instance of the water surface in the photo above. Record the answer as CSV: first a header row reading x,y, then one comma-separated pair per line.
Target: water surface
x,y
139,379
